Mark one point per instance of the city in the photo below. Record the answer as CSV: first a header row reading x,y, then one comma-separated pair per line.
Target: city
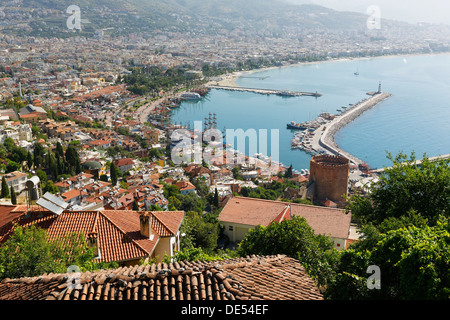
x,y
92,174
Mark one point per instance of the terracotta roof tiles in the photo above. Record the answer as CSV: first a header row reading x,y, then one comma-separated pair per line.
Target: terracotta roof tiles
x,y
250,211
118,232
251,278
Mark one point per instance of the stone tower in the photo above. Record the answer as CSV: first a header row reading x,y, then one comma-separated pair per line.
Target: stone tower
x,y
329,174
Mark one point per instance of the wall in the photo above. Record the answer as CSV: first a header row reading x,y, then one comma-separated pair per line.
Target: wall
x,y
330,175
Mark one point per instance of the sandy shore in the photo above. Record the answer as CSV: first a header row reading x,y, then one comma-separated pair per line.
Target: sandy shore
x,y
229,80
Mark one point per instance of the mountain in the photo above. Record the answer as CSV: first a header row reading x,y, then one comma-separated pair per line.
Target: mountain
x,y
277,17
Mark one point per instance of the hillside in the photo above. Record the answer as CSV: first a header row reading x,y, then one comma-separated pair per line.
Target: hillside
x,y
48,17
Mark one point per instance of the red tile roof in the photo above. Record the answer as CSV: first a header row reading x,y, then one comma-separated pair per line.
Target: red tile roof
x,y
118,231
250,278
185,185
124,162
250,211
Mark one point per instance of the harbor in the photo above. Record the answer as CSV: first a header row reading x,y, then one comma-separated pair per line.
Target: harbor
x,y
317,136
283,93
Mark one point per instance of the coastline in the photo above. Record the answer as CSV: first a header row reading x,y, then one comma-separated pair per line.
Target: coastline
x,y
229,80
329,130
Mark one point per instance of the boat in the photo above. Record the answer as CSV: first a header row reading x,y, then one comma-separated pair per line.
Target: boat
x,y
190,96
286,94
296,126
356,73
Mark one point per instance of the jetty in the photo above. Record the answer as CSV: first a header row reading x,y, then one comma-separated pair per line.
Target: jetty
x,y
284,93
319,137
327,137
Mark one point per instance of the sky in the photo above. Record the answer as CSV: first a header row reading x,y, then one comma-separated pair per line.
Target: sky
x,y
412,11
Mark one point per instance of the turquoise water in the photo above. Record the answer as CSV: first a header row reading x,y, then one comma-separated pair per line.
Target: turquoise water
x,y
416,117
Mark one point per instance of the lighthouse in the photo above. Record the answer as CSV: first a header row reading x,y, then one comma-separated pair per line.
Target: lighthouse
x,y
379,87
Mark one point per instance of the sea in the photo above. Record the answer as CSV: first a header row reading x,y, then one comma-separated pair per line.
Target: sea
x,y
416,119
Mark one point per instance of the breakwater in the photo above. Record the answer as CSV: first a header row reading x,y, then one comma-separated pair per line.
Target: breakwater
x,y
268,91
326,138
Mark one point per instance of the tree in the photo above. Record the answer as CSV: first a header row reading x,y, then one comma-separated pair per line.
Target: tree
x,y
50,187
135,206
59,150
296,239
5,188
13,195
405,187
202,234
38,155
29,252
113,174
29,160
413,263
73,160
216,198
288,172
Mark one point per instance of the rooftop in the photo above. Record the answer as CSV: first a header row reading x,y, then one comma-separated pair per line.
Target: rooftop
x,y
251,278
250,211
118,231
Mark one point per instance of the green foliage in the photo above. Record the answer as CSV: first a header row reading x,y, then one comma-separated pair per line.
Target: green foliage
x,y
145,80
405,187
113,174
13,195
288,172
414,264
38,155
50,187
200,231
73,160
198,254
135,206
5,188
296,239
29,252
216,198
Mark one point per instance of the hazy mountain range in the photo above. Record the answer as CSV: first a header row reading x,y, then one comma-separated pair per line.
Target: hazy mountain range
x,y
48,17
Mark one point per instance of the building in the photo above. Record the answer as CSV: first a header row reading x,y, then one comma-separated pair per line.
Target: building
x,y
186,187
329,178
124,236
247,278
17,180
242,214
74,182
32,113
124,165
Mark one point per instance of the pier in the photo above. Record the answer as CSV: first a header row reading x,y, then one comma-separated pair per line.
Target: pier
x,y
321,139
283,93
327,137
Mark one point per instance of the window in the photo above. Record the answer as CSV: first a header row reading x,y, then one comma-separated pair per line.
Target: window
x,y
230,228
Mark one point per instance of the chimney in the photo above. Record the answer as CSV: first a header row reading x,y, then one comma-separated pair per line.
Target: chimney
x,y
145,219
93,242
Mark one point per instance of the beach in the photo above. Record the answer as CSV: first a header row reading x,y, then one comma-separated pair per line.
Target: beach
x,y
229,80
